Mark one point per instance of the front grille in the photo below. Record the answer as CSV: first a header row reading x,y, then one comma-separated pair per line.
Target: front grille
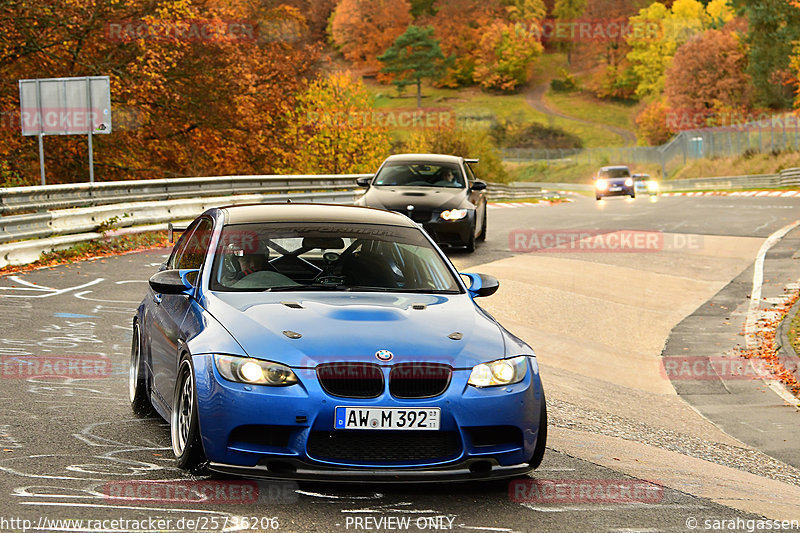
x,y
376,446
351,379
419,215
419,380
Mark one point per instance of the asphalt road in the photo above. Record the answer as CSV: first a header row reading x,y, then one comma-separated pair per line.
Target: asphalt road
x,y
70,448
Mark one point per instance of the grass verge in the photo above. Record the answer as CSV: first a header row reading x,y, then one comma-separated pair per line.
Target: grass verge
x,y
108,246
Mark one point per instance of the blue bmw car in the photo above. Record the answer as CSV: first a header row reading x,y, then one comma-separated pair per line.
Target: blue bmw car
x,y
329,343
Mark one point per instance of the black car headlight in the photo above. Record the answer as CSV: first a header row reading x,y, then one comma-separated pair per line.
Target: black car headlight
x,y
453,214
500,372
254,371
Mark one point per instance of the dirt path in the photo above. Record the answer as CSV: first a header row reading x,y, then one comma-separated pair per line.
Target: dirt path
x,y
535,98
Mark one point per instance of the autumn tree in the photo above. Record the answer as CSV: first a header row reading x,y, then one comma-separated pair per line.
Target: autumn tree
x,y
708,73
611,72
508,51
652,124
364,29
567,11
334,130
651,56
459,25
413,56
773,28
189,96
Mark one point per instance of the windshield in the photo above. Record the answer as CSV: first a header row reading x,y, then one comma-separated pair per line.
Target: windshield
x,y
315,256
615,173
399,174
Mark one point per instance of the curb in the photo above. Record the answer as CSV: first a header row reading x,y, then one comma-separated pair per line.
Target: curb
x,y
788,356
751,194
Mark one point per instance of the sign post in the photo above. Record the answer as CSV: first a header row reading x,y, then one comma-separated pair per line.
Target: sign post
x,y
65,106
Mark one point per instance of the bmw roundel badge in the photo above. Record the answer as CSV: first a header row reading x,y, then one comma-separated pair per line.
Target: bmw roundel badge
x,y
384,355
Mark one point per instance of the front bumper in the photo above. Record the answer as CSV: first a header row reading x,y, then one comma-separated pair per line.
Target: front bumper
x,y
452,232
471,470
623,191
288,433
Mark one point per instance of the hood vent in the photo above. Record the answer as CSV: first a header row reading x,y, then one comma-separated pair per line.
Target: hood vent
x,y
293,305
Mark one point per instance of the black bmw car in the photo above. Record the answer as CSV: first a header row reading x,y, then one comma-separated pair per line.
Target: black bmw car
x,y
438,191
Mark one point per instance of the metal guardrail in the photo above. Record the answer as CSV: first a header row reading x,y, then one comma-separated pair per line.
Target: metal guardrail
x,y
17,200
73,208
562,186
513,191
58,216
761,181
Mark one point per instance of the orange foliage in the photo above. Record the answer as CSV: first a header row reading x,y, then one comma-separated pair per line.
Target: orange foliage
x,y
184,103
459,26
708,72
364,29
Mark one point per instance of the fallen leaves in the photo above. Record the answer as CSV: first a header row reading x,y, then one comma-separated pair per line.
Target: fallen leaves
x,y
767,347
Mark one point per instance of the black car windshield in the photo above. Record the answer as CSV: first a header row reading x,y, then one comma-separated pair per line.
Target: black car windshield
x,y
615,173
281,256
404,174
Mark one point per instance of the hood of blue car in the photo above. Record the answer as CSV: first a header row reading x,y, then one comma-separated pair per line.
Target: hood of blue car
x,y
337,326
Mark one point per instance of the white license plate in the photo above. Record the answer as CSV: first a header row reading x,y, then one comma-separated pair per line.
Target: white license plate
x,y
387,418
615,189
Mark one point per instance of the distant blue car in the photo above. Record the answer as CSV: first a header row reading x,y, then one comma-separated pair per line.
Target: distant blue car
x,y
327,342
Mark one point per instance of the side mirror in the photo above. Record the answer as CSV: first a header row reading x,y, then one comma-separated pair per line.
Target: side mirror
x,y
363,182
173,281
478,186
482,285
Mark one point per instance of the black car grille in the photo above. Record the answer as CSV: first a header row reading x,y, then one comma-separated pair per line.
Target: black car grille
x,y
376,446
351,379
419,380
418,215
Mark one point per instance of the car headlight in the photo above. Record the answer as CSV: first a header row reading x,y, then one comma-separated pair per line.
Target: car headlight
x,y
601,184
500,372
652,185
254,371
629,182
453,214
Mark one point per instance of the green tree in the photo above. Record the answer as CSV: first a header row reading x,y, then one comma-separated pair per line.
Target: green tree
x,y
569,10
414,55
773,27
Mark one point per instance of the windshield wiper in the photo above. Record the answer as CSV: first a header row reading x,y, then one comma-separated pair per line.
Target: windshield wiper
x,y
286,288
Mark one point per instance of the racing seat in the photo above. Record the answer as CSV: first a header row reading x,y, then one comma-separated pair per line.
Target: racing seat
x,y
368,269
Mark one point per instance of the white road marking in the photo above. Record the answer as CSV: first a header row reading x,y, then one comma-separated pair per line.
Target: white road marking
x,y
754,312
49,291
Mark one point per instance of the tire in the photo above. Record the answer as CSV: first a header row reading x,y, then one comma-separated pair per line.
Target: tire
x,y
138,390
482,236
633,194
541,438
184,427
